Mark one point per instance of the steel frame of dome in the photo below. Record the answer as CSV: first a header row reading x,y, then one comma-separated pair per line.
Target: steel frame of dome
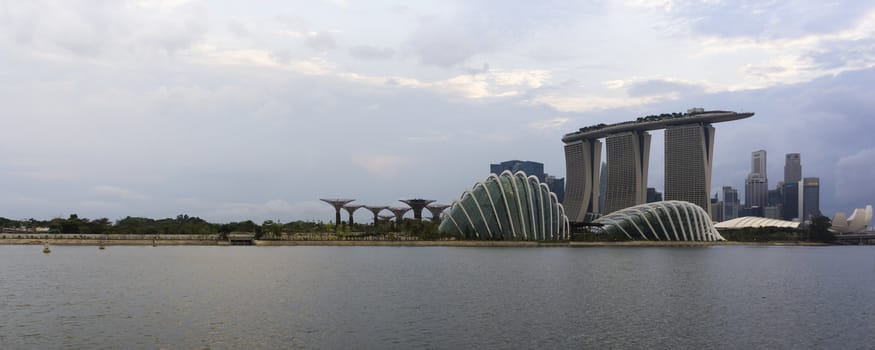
x,y
508,206
755,222
667,220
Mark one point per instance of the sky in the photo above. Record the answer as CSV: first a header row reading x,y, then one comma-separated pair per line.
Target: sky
x,y
238,110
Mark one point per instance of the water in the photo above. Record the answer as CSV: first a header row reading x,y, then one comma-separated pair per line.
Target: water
x,y
436,297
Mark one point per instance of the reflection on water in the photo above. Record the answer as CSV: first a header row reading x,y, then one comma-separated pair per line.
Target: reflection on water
x,y
436,297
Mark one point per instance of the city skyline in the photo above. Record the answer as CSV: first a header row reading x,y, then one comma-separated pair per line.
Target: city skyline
x,y
230,112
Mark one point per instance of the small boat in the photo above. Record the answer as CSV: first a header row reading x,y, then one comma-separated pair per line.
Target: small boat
x,y
46,249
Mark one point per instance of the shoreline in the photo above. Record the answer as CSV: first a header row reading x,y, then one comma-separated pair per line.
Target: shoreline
x,y
273,243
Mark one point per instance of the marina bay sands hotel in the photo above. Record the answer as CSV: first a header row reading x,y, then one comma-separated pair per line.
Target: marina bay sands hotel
x,y
689,152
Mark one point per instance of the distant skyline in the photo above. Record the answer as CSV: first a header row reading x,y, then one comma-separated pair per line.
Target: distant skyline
x,y
232,110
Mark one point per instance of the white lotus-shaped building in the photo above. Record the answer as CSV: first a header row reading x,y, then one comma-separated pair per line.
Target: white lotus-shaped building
x,y
859,220
661,221
509,206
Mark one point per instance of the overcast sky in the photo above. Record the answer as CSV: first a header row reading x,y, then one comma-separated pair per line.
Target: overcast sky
x,y
234,110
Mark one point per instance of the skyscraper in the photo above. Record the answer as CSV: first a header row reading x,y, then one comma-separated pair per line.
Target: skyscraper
x,y
809,197
557,186
582,161
792,168
603,183
756,187
689,150
689,156
730,203
790,207
628,154
790,189
716,209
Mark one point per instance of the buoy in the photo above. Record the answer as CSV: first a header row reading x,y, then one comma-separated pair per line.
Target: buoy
x,y
46,249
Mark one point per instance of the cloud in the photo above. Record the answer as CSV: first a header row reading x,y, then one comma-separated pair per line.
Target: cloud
x,y
320,41
471,28
566,103
380,165
751,18
445,44
494,83
431,137
365,52
854,183
119,192
661,87
105,33
554,123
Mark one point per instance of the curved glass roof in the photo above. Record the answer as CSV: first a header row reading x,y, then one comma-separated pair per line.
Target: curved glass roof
x,y
754,221
508,206
662,221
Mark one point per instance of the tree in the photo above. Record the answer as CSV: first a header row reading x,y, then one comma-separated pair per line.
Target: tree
x,y
269,227
818,230
100,226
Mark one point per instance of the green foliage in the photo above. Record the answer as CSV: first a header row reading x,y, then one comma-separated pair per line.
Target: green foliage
x,y
270,229
422,229
242,226
599,237
300,226
818,230
761,234
182,224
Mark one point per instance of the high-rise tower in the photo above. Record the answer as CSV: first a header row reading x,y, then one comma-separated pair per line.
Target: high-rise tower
x,y
809,198
730,203
582,161
689,156
792,168
790,189
689,151
628,154
756,186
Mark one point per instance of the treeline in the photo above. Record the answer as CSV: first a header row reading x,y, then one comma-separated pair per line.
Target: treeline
x,y
182,224
192,225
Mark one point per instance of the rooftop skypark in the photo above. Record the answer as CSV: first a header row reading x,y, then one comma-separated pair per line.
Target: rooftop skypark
x,y
654,122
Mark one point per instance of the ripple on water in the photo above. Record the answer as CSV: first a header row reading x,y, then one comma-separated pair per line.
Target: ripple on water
x,y
443,297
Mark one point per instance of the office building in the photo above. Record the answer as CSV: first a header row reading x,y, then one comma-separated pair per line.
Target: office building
x,y
790,189
716,209
653,195
772,212
809,198
557,186
756,186
731,203
790,205
792,167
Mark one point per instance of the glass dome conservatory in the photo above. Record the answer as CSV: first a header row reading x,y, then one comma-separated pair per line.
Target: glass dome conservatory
x,y
509,206
662,221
